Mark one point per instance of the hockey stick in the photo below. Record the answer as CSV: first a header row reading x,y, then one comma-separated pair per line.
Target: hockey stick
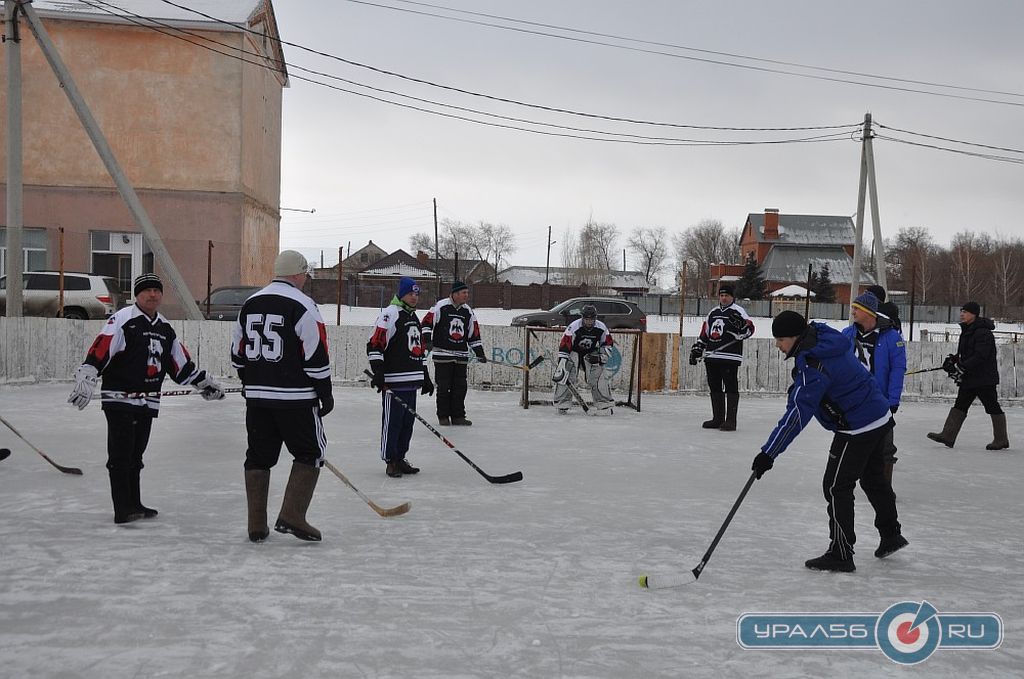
x,y
67,470
385,512
176,392
922,370
507,478
652,582
577,395
724,346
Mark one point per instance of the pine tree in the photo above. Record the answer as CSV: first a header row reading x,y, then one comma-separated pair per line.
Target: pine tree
x,y
752,284
821,285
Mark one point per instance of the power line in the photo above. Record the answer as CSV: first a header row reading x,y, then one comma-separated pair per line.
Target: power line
x,y
716,62
986,156
687,47
955,141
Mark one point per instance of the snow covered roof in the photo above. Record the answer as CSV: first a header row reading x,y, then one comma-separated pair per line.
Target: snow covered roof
x,y
790,264
399,269
557,275
792,291
806,229
233,11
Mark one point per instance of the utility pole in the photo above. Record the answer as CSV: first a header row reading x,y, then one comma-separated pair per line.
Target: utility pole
x,y
867,175
99,141
15,215
437,252
547,262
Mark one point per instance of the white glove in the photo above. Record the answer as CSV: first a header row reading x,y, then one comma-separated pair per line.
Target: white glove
x,y
208,388
560,374
85,384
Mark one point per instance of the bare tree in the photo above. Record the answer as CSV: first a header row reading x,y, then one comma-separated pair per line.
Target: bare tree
x,y
966,251
650,248
705,244
1006,268
589,254
453,236
914,254
493,243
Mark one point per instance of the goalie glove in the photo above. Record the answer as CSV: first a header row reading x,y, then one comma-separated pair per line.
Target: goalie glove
x,y
208,387
561,372
595,358
85,384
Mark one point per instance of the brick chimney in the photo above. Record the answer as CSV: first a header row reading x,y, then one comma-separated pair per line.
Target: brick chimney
x,y
424,258
771,223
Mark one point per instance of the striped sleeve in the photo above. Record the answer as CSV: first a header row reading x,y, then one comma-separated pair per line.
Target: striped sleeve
x,y
182,370
109,343
381,334
312,333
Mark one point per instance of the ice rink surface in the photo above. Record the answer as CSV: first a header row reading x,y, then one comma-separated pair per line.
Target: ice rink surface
x,y
534,579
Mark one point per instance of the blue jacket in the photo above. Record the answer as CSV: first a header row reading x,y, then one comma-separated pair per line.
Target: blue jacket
x,y
829,383
889,362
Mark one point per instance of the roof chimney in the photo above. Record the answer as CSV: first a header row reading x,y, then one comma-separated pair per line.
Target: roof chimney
x,y
422,257
771,223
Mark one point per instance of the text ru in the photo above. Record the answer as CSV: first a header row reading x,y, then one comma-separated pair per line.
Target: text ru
x,y
959,631
831,631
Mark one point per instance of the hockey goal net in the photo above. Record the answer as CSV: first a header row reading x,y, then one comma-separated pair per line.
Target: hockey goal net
x,y
622,369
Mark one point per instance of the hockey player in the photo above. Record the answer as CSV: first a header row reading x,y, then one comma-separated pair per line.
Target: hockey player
x,y
450,332
831,385
973,368
395,352
881,350
279,347
721,345
591,341
133,353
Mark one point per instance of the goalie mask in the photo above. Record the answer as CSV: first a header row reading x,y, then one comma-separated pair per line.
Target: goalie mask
x,y
589,315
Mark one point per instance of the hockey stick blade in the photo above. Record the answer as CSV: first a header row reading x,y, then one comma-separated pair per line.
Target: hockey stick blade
x,y
579,397
66,470
507,478
383,511
667,581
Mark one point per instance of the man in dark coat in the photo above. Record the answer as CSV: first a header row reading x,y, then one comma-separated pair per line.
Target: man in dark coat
x,y
973,368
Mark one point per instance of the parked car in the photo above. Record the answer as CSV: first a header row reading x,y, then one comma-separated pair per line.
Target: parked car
x,y
226,302
615,313
86,296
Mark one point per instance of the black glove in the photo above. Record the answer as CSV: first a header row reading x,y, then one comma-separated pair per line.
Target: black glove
x,y
481,357
428,387
326,404
737,324
950,364
594,358
323,393
762,463
893,409
695,353
428,346
377,381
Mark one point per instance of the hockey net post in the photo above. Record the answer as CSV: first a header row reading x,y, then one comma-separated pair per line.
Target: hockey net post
x,y
627,359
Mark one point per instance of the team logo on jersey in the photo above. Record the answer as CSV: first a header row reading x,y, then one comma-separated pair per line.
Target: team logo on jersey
x,y
413,336
586,344
717,329
456,329
153,362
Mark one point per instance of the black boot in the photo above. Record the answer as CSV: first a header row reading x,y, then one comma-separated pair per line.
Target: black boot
x,y
406,468
462,422
394,470
831,561
890,544
257,487
950,430
1000,440
717,411
732,404
121,494
147,512
297,495
444,421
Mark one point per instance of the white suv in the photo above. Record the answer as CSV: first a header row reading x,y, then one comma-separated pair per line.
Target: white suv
x,y
85,295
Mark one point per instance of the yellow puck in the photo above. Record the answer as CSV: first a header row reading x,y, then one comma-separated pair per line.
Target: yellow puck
x,y
643,580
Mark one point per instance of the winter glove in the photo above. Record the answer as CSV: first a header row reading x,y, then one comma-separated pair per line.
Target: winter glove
x,y
480,357
594,358
762,463
428,387
377,381
323,393
208,388
737,324
85,384
560,373
696,352
950,364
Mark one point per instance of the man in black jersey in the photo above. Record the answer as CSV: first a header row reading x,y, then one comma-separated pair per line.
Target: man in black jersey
x,y
721,346
450,328
133,353
279,348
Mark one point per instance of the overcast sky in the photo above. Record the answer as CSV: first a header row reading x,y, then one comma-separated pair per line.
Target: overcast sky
x,y
371,169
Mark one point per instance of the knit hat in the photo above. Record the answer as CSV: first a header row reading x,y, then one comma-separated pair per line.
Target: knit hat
x,y
458,285
727,288
291,263
407,285
146,281
878,291
867,303
972,307
788,324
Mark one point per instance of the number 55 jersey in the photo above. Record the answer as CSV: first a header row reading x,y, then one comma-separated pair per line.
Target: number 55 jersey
x,y
279,347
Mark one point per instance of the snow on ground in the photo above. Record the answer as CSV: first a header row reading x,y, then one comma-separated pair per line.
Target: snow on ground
x,y
534,579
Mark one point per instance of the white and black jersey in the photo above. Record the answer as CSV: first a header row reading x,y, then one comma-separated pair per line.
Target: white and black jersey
x,y
723,333
396,343
279,347
453,331
132,354
583,340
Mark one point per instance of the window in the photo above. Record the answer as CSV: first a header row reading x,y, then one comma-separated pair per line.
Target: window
x,y
33,245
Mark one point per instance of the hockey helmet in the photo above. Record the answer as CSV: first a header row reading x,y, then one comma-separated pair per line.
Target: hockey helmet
x,y
589,311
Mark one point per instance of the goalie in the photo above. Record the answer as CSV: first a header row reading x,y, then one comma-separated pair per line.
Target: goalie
x,y
591,342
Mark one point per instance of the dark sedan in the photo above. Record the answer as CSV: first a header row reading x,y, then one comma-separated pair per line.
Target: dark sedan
x,y
615,313
225,303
